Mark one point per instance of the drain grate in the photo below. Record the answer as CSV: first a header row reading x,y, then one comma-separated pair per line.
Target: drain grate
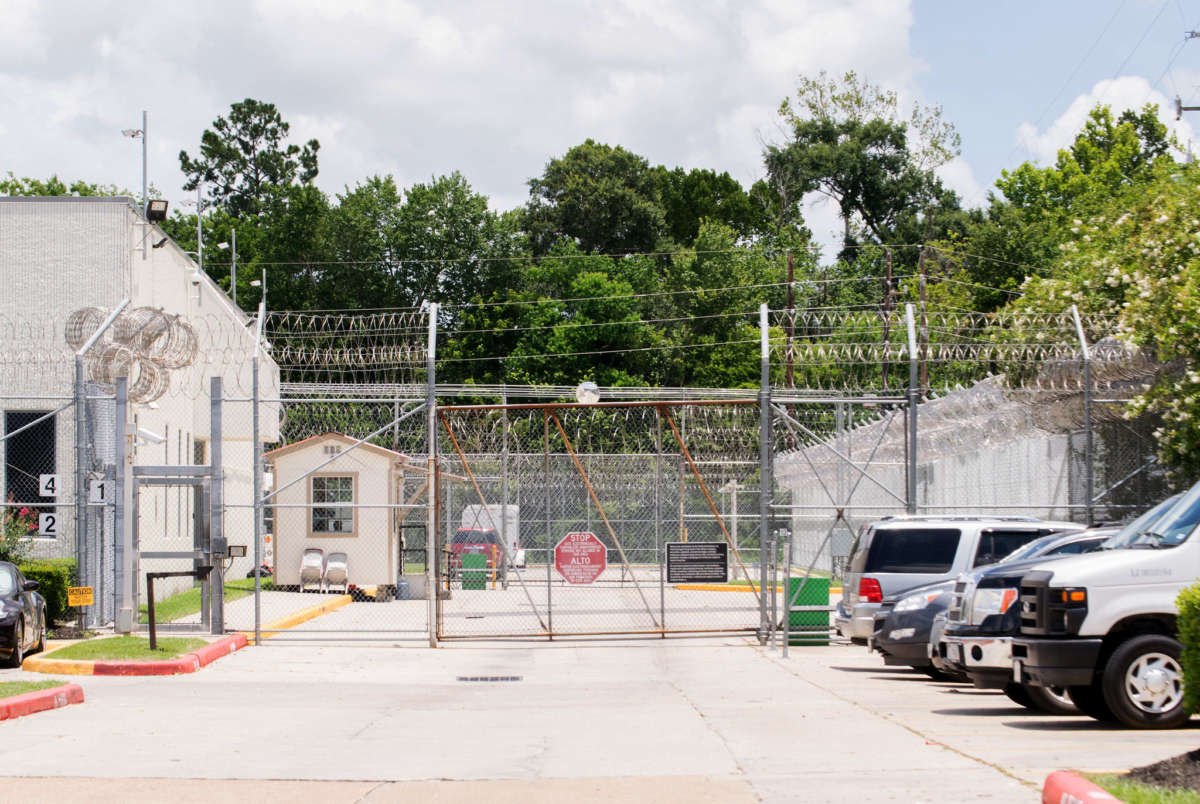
x,y
490,678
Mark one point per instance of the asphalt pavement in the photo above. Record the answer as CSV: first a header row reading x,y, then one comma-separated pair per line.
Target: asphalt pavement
x,y
628,720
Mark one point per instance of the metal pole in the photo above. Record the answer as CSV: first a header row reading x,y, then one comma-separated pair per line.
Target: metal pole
x,y
145,163
914,392
216,510
549,528
199,228
258,468
81,545
658,536
1088,471
233,276
764,469
431,555
121,599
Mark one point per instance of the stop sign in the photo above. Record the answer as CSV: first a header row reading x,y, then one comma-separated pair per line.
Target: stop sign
x,y
580,557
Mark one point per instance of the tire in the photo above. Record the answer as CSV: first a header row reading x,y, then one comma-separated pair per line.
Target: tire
x,y
1019,694
17,657
1051,700
1090,701
939,675
1143,683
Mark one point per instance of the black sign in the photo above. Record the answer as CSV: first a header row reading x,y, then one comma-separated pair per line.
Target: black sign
x,y
697,562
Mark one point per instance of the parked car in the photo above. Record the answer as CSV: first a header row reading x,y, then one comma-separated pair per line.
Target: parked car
x,y
984,616
909,629
1103,625
22,615
896,554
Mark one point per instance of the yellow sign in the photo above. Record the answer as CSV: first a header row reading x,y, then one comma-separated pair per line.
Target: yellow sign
x,y
79,596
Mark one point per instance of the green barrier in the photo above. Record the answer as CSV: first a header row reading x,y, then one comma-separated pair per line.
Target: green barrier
x,y
474,567
809,627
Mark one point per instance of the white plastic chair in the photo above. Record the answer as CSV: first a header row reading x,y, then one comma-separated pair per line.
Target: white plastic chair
x,y
312,568
337,572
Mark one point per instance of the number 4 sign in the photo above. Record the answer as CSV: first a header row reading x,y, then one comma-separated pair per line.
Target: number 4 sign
x,y
48,485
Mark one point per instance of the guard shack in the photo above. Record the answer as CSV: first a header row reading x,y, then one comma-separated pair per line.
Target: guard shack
x,y
344,503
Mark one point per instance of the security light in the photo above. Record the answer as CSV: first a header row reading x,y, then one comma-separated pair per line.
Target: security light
x,y
156,210
588,393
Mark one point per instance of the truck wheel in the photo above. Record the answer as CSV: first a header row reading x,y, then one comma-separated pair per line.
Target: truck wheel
x,y
1019,694
1051,700
1090,701
1143,683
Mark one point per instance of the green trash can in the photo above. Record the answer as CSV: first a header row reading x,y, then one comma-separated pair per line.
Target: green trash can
x,y
808,627
474,571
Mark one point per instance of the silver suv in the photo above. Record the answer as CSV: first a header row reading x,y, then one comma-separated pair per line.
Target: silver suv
x,y
895,554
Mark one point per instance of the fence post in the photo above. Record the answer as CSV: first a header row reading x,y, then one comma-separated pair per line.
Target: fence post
x,y
83,569
121,600
1088,471
764,472
258,475
914,395
216,510
431,554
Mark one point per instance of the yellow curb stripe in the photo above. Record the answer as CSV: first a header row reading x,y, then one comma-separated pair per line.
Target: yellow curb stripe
x,y
714,587
67,667
296,618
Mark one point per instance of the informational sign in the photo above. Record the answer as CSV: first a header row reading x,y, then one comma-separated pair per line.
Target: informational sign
x,y
48,485
48,525
697,562
580,558
99,491
79,596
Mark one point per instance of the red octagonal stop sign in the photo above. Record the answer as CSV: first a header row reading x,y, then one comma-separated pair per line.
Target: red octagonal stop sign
x,y
580,557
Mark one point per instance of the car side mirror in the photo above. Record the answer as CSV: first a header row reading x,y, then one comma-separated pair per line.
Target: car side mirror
x,y
30,586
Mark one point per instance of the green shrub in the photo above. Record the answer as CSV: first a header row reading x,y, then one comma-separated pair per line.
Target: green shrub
x,y
1189,634
53,575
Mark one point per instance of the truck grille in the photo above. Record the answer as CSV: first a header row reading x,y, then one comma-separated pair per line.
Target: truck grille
x,y
958,602
1032,602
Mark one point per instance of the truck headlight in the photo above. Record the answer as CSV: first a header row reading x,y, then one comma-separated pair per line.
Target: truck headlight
x,y
918,601
991,601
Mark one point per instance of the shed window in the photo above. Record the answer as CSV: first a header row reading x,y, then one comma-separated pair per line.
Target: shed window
x,y
329,518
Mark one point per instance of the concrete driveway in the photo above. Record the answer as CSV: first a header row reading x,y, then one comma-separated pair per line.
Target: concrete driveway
x,y
665,720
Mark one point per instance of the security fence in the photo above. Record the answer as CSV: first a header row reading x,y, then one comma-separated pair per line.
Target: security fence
x,y
337,491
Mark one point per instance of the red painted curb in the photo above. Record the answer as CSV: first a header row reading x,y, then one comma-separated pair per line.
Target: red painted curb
x,y
40,701
1064,787
187,663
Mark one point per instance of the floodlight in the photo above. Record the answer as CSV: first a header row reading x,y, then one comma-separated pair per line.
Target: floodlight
x,y
156,210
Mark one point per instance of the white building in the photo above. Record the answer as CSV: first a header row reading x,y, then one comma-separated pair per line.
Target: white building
x,y
61,255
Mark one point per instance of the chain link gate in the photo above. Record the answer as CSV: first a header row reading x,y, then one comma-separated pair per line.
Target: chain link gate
x,y
635,477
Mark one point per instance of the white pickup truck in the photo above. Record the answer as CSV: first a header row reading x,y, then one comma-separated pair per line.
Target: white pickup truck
x,y
1103,624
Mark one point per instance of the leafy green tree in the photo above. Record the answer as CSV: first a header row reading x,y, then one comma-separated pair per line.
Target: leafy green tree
x,y
243,157
689,198
848,141
603,198
26,186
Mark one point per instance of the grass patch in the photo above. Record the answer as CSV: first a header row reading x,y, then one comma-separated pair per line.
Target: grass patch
x,y
188,601
413,568
1133,792
11,688
128,648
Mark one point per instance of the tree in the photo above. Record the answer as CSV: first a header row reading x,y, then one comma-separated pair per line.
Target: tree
x,y
243,157
26,186
689,198
601,197
848,141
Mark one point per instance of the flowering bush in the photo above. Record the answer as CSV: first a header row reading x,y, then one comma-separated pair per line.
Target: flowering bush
x,y
16,535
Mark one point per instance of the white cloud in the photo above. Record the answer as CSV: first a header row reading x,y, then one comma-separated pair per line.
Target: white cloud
x,y
1126,92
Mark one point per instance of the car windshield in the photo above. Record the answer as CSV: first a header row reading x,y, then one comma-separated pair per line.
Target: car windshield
x,y
8,581
1168,513
1031,549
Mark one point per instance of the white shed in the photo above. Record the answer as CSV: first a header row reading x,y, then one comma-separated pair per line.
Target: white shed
x,y
345,506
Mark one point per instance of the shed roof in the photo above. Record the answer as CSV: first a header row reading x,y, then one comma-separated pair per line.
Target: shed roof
x,y
333,436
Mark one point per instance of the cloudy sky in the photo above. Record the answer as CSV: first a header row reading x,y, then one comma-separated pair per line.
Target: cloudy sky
x,y
495,89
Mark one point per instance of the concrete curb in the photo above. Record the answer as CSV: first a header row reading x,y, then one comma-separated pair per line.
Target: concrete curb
x,y
40,701
188,663
296,618
1063,786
